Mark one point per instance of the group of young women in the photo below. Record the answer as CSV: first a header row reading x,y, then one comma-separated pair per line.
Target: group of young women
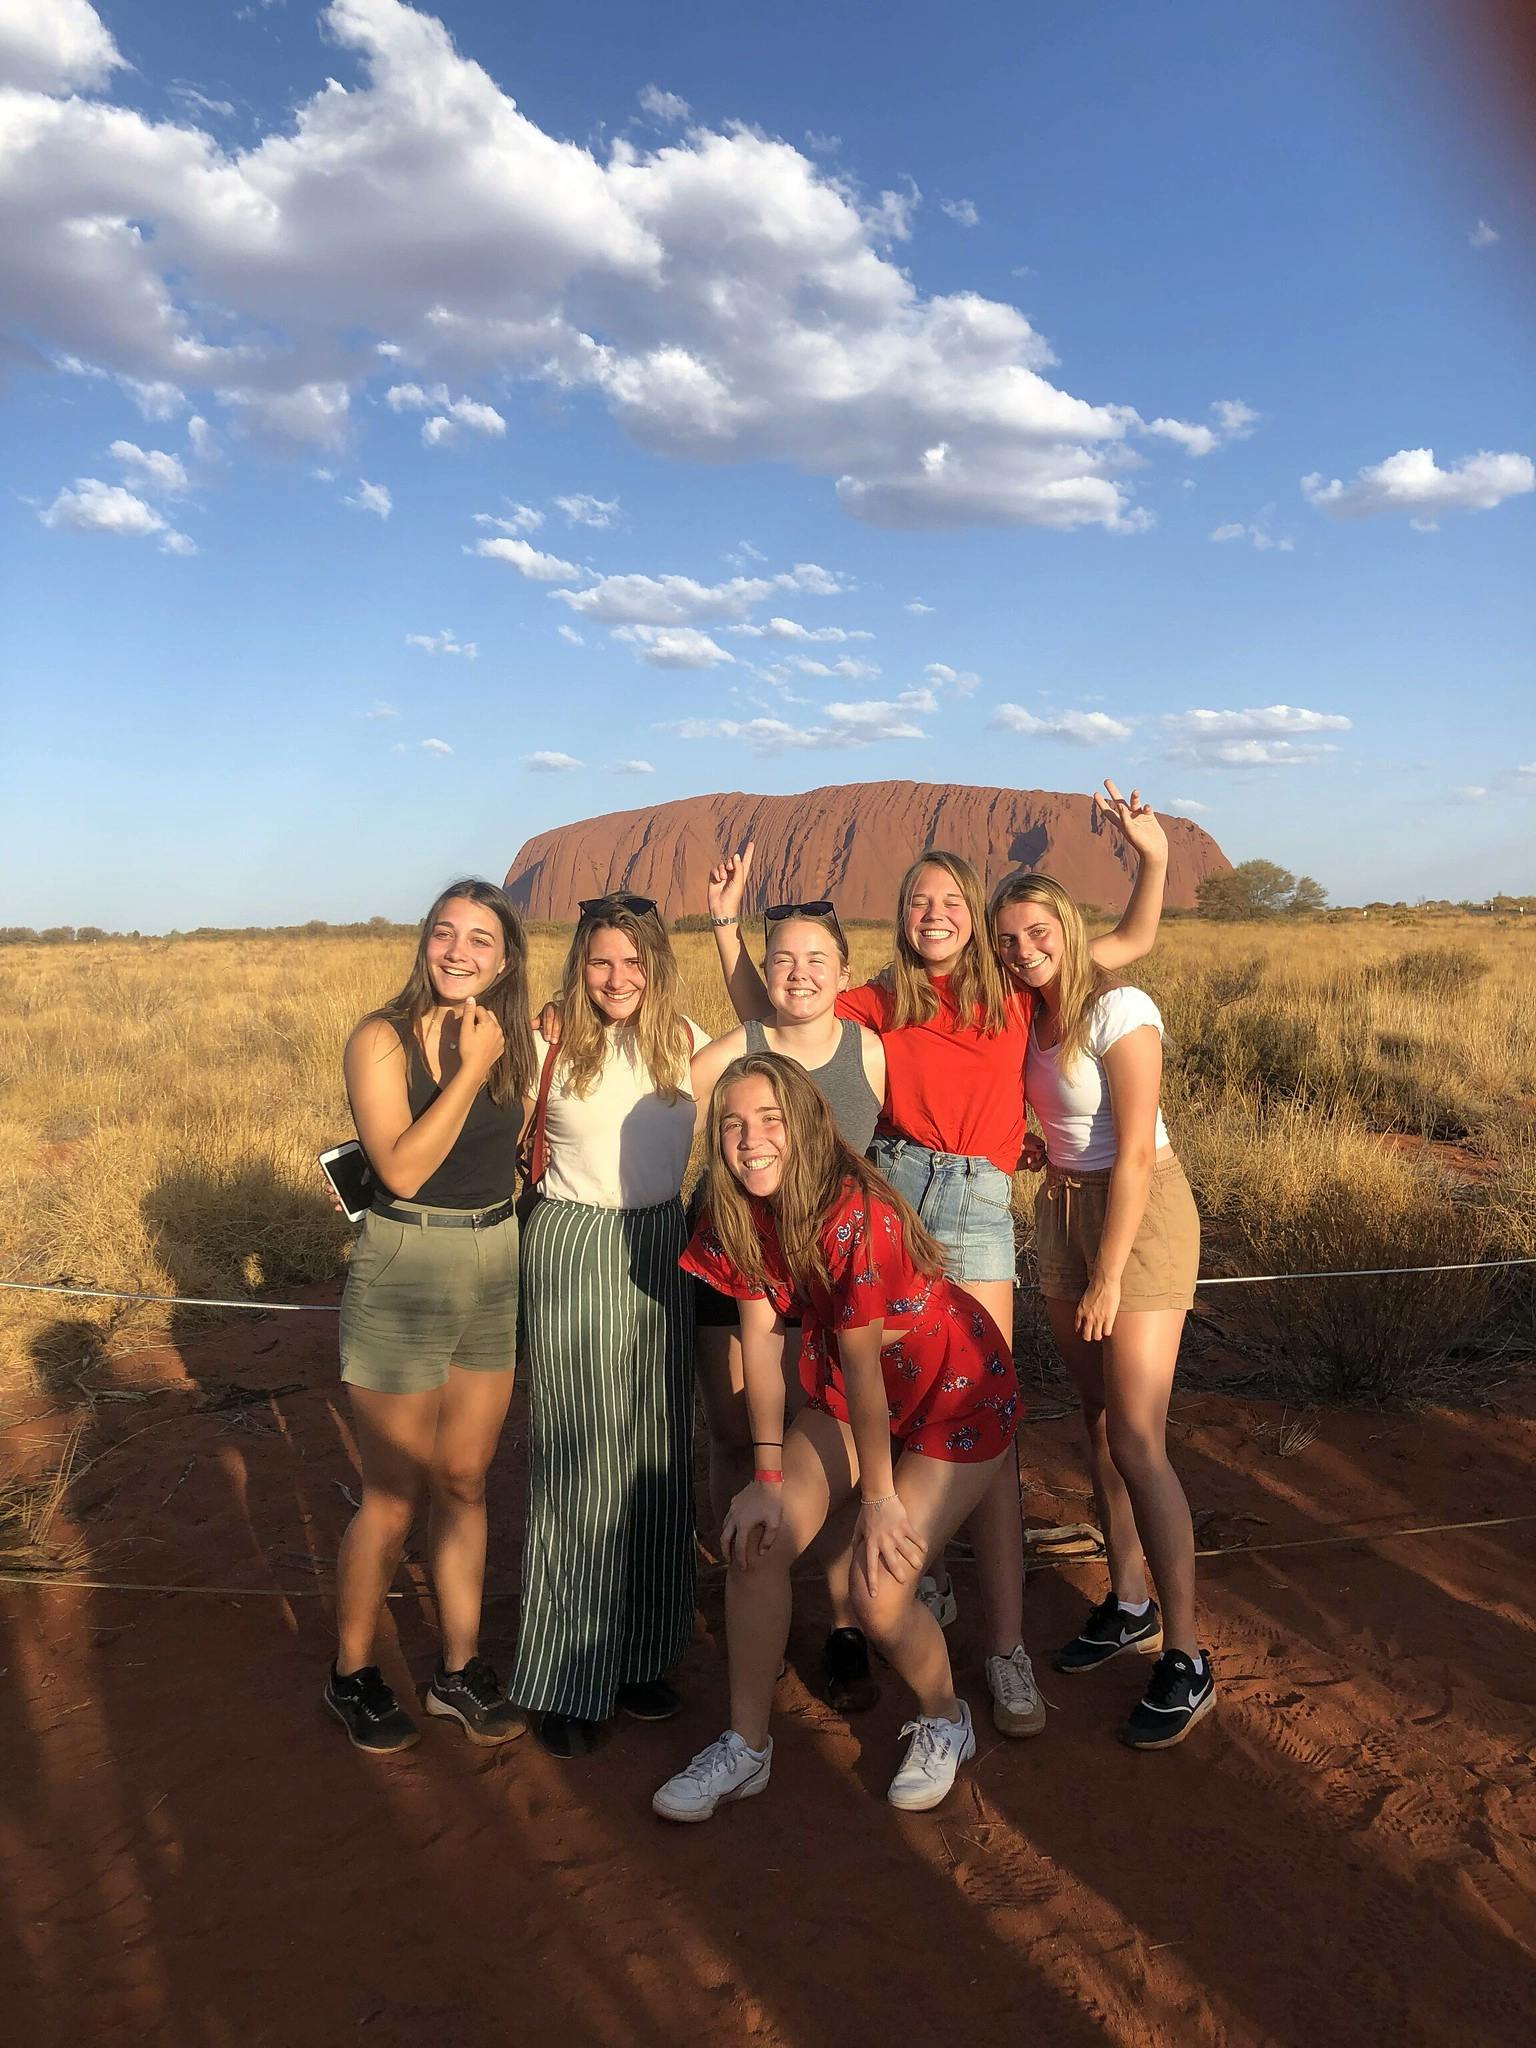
x,y
844,1297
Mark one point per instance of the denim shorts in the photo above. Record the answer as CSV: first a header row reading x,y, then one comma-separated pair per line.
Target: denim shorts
x,y
965,1202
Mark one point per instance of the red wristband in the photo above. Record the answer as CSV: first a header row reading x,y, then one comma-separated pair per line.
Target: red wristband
x,y
768,1478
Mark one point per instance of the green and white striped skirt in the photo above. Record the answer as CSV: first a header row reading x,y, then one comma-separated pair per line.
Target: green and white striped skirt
x,y
608,1565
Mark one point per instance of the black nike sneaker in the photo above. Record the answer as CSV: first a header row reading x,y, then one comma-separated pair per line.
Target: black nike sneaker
x,y
366,1707
473,1697
1176,1698
1107,1631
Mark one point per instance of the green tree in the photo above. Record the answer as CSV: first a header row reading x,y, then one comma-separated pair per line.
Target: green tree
x,y
1307,896
1255,888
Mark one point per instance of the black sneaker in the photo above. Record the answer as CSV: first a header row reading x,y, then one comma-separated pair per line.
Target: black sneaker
x,y
473,1697
847,1683
564,1736
365,1706
1174,1701
1107,1631
652,1699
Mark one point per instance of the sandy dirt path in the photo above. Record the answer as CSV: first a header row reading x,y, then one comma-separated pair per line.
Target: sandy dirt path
x,y
191,1853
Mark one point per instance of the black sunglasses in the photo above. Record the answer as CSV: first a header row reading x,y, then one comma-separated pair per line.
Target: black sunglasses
x,y
637,906
776,913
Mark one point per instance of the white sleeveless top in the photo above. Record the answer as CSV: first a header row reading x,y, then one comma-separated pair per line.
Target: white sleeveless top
x,y
1074,1109
622,1146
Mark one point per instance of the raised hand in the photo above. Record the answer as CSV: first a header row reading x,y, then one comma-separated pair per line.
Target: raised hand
x,y
481,1039
1137,823
728,882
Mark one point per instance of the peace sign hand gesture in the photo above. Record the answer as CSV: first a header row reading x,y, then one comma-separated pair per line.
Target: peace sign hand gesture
x,y
728,882
1137,823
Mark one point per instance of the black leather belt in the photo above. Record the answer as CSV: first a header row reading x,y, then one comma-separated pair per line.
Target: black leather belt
x,y
446,1219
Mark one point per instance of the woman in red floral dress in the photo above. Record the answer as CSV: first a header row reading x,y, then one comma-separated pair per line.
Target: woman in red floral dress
x,y
912,1398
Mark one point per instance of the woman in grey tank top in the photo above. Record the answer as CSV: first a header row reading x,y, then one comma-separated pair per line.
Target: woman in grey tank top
x,y
805,970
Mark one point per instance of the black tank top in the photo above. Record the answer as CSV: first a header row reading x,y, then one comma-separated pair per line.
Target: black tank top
x,y
481,1170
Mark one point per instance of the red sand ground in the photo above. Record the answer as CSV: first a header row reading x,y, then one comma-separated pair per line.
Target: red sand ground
x,y
1343,1853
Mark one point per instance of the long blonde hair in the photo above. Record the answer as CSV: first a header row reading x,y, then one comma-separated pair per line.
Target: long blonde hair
x,y
1080,981
658,1026
977,983
506,998
818,1164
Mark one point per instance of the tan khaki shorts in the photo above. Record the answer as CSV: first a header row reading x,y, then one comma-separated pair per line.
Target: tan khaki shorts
x,y
418,1300
1164,1260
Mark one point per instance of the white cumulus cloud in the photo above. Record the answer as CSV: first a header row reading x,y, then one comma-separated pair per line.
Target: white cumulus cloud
x,y
92,506
791,629
1259,536
632,768
1268,736
961,210
570,633
152,469
673,646
1081,728
1191,806
842,726
522,519
1411,481
445,642
373,498
582,510
1483,236
55,45
963,681
527,560
436,747
727,297
547,762
663,106
1234,421
917,608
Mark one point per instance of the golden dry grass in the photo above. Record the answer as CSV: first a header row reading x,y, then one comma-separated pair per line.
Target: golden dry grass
x,y
161,1105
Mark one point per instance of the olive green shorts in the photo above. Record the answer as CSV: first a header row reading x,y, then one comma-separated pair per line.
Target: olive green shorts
x,y
1165,1256
418,1300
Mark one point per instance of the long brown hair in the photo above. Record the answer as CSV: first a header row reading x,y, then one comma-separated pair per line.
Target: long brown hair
x,y
660,1031
977,983
506,998
1080,981
818,1164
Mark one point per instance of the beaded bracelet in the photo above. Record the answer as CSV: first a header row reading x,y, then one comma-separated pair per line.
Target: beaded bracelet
x,y
880,1503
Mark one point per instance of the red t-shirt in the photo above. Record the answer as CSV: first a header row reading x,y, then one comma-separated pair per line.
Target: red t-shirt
x,y
948,1085
949,1380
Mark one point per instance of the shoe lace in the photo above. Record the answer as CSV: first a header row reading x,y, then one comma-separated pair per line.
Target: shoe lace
x,y
719,1756
1015,1679
1169,1673
926,1746
375,1700
479,1680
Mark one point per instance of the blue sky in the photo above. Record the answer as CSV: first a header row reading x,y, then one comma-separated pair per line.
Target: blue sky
x,y
425,428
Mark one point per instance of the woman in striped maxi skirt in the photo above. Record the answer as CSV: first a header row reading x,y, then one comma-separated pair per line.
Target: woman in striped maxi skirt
x,y
608,1577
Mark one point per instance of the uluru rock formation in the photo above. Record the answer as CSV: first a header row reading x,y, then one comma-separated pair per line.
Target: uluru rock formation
x,y
850,841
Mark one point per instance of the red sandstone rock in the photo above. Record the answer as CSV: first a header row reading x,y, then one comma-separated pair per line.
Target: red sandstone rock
x,y
850,842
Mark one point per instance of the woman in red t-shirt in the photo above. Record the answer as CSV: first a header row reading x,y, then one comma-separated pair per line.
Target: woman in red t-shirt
x,y
911,1395
952,1131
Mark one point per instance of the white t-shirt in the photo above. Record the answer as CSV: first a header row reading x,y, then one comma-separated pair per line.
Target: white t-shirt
x,y
622,1146
1074,1109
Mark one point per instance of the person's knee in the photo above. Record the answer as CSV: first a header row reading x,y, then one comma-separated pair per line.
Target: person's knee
x,y
881,1611
1135,1447
1092,1405
392,1508
460,1484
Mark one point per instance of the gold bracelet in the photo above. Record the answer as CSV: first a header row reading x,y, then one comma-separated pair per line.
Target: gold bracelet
x,y
883,1501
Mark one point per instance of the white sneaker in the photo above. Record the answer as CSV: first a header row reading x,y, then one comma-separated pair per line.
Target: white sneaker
x,y
939,1603
726,1770
1017,1708
935,1753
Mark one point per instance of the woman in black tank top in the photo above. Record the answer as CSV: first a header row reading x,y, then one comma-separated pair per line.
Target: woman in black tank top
x,y
438,1080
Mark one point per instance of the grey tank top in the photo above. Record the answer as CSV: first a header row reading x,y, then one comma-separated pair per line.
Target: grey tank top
x,y
843,1081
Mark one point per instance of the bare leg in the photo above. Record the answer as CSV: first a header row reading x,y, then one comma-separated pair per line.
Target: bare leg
x,y
394,1434
474,1406
996,1527
1117,1517
937,1497
1138,1378
717,1360
818,1468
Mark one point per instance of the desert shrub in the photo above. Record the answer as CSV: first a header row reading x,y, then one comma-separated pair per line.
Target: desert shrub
x,y
1436,971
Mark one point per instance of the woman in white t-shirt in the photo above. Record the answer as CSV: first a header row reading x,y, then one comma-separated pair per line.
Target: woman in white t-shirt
x,y
608,1319
1117,1239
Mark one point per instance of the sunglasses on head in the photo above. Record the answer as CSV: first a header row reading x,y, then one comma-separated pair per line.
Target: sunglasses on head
x,y
637,906
776,913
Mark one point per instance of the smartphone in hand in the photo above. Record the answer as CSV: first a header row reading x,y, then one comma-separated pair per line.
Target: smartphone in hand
x,y
351,1177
